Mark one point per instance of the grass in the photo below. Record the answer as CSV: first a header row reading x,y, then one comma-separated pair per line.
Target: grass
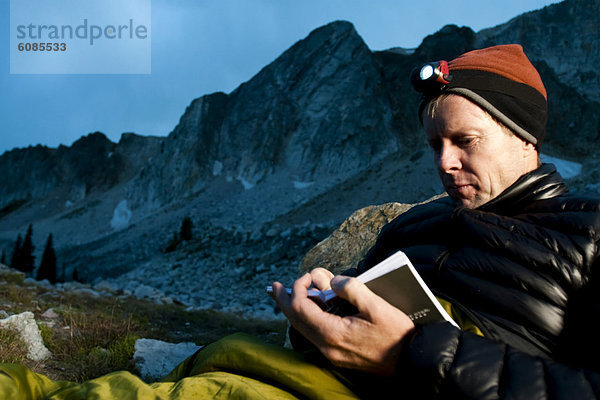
x,y
11,347
95,335
90,344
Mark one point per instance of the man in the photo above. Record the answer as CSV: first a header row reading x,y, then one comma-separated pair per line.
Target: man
x,y
509,250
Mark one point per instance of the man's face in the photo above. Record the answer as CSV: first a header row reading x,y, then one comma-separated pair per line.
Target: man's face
x,y
476,158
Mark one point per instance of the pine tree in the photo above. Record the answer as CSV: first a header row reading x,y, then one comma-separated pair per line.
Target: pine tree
x,y
3,259
47,268
185,232
27,259
75,275
15,261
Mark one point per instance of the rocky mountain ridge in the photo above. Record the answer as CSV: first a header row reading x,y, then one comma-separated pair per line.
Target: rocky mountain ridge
x,y
326,128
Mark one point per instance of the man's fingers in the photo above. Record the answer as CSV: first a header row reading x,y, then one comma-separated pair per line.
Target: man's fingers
x,y
297,304
302,312
301,285
283,298
356,293
321,278
280,295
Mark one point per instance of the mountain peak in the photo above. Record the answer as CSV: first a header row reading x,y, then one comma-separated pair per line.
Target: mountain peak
x,y
446,43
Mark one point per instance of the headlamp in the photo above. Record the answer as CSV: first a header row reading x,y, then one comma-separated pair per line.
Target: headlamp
x,y
431,78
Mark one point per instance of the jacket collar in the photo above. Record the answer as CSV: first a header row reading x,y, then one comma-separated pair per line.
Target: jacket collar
x,y
542,183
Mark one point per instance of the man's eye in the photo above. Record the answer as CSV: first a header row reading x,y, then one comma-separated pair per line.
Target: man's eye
x,y
465,141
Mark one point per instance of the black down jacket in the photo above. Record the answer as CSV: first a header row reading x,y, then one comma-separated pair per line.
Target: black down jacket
x,y
524,268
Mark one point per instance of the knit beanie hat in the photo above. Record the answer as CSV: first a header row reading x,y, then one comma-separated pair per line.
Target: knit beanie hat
x,y
502,81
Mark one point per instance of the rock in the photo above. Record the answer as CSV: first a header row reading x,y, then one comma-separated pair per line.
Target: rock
x,y
10,275
271,232
32,281
345,247
286,233
70,286
147,292
106,286
81,167
50,314
27,328
154,358
295,115
87,291
349,243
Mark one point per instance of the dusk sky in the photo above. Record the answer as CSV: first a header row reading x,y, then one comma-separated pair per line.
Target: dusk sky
x,y
202,46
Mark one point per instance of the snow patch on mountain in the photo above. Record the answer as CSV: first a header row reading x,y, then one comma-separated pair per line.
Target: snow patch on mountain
x,y
217,168
246,184
302,185
121,216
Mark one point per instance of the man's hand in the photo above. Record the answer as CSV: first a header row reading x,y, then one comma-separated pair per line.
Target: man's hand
x,y
368,341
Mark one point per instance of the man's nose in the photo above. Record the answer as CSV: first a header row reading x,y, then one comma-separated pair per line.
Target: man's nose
x,y
449,159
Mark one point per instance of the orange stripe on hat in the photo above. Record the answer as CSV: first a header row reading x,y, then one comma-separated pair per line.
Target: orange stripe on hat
x,y
507,60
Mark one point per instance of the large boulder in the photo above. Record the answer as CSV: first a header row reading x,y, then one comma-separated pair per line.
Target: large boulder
x,y
24,324
154,359
345,247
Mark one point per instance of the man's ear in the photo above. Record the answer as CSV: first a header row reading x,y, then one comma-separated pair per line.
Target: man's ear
x,y
531,155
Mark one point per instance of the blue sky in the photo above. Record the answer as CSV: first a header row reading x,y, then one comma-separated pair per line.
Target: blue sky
x,y
203,46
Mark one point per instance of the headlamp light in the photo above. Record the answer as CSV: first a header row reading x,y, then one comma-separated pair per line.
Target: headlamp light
x,y
431,78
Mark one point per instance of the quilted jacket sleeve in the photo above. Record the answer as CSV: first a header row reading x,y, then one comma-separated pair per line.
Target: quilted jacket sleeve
x,y
448,363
